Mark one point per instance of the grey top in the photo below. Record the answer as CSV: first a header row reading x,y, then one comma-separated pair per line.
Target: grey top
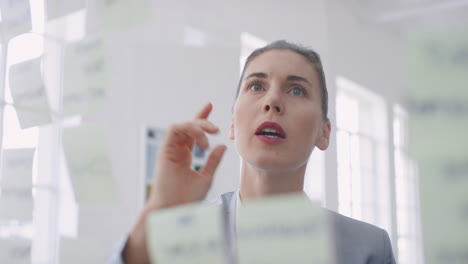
x,y
355,242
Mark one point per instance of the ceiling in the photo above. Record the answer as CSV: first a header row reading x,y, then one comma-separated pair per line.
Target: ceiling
x,y
409,15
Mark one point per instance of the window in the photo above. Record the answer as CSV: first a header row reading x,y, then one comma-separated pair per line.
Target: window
x,y
409,239
363,172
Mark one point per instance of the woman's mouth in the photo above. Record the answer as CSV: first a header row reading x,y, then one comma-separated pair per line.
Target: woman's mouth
x,y
270,132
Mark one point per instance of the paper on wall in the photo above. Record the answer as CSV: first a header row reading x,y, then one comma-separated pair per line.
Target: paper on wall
x,y
15,251
84,77
59,8
135,12
437,96
81,250
16,183
186,234
16,204
17,168
88,163
29,95
283,229
16,17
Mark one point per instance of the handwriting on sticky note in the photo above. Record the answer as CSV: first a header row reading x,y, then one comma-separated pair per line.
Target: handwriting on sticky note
x,y
187,234
28,92
16,204
15,251
283,229
17,168
85,77
88,163
136,12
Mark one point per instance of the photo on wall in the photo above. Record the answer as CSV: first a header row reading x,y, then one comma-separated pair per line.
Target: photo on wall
x,y
154,138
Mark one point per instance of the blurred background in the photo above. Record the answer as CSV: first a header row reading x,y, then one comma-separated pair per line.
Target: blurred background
x,y
88,88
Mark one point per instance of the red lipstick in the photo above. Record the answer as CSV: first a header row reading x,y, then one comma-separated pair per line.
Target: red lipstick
x,y
270,132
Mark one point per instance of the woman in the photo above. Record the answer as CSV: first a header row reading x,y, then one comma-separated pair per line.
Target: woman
x,y
279,117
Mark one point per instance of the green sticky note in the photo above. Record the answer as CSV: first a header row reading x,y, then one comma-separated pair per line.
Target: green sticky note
x,y
17,168
120,15
58,8
282,229
88,163
85,77
437,95
29,94
82,250
186,234
15,250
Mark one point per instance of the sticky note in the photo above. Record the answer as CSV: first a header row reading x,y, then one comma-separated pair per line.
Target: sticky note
x,y
15,251
16,201
16,17
85,77
16,204
437,67
81,250
282,229
88,163
111,12
17,168
29,94
186,234
59,8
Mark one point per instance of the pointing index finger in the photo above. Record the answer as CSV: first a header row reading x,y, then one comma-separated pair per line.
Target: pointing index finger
x,y
205,112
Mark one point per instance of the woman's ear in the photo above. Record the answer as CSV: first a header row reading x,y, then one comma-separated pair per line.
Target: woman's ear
x,y
324,139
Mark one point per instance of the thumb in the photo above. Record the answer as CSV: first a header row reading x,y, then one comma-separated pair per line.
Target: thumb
x,y
213,161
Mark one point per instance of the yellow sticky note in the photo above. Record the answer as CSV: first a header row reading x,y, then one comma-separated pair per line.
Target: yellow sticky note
x,y
282,229
88,163
186,234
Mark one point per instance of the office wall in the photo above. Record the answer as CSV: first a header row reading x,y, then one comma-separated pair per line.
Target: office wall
x,y
368,53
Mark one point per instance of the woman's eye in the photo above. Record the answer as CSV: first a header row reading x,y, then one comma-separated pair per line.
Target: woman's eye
x,y
256,87
297,91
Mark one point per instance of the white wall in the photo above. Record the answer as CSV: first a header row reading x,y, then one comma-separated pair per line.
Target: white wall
x,y
369,54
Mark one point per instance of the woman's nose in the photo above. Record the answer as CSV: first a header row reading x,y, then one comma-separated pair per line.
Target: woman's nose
x,y
273,103
275,108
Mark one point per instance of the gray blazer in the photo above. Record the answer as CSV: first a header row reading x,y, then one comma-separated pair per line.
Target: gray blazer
x,y
355,242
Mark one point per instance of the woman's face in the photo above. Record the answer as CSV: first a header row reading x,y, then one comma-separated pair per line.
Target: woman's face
x,y
277,119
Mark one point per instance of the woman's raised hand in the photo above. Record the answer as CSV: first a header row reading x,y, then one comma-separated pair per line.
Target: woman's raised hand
x,y
176,182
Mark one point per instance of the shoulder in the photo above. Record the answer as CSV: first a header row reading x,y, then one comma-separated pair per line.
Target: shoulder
x,y
349,226
355,239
